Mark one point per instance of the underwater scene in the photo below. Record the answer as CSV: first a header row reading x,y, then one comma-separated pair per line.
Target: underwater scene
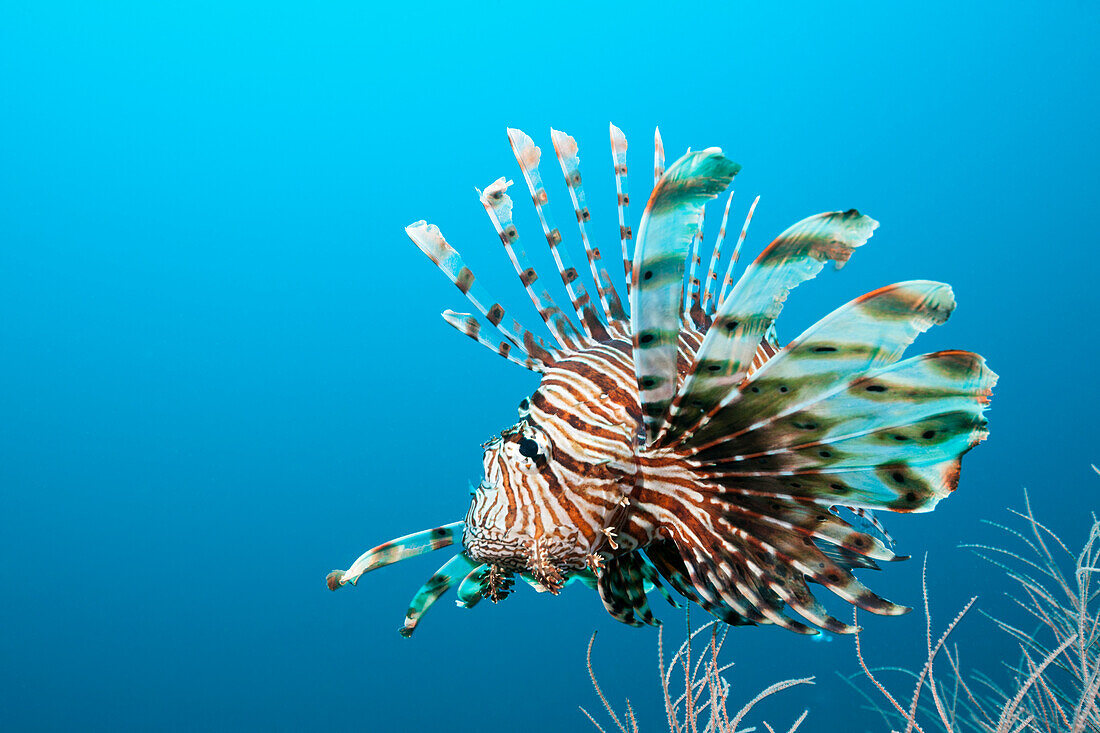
x,y
761,399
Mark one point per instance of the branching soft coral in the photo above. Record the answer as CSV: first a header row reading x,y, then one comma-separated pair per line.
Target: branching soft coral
x,y
1055,684
702,706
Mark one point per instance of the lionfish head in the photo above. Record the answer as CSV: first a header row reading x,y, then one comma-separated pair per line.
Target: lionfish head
x,y
551,479
511,522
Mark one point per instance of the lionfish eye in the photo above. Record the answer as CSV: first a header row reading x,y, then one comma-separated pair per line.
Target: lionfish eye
x,y
528,448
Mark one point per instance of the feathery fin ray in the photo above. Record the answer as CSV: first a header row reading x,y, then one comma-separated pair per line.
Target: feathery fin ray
x,y
430,241
498,205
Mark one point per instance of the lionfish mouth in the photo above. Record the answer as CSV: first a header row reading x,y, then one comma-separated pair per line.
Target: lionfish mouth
x,y
548,559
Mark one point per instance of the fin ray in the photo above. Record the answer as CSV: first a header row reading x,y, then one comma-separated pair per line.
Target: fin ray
x,y
618,157
430,241
621,585
469,589
728,281
658,156
711,283
528,155
498,205
565,148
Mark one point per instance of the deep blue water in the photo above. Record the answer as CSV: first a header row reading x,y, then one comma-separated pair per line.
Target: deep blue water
x,y
225,373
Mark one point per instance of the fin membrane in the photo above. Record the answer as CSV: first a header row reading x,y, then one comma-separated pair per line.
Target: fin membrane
x,y
744,317
453,571
621,585
396,550
868,332
665,235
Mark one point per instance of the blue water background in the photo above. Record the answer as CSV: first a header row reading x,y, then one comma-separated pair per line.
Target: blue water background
x,y
225,374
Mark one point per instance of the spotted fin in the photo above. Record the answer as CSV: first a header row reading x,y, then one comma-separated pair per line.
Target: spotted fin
x,y
906,415
894,487
808,559
790,587
454,570
868,332
745,316
664,237
891,439
469,590
396,550
621,585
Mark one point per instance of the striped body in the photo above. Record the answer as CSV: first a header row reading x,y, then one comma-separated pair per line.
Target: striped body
x,y
679,447
584,418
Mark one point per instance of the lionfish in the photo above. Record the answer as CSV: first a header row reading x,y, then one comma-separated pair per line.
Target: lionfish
x,y
673,443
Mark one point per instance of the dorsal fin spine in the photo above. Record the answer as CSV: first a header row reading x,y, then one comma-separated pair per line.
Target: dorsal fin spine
x,y
470,326
618,157
565,148
658,156
727,283
711,286
498,205
665,235
528,155
430,241
692,310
